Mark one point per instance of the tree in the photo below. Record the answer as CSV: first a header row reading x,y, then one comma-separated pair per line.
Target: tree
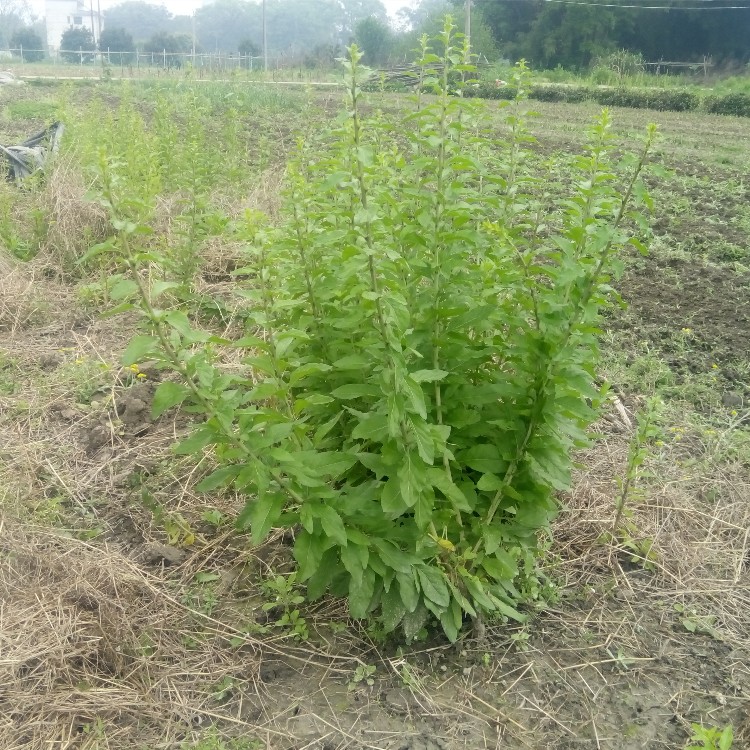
x,y
30,42
118,44
14,15
358,10
248,48
76,39
224,24
375,38
174,45
140,19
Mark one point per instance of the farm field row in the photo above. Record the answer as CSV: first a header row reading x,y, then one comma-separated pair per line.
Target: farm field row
x,y
138,617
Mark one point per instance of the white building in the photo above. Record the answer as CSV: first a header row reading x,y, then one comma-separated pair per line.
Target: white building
x,y
62,15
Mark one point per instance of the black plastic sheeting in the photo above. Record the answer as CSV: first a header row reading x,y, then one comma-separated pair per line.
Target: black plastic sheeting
x,y
30,156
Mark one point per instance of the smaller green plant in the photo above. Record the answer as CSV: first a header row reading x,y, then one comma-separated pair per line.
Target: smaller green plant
x,y
214,517
179,532
363,676
646,431
285,597
710,738
211,740
201,594
223,689
521,639
96,733
695,623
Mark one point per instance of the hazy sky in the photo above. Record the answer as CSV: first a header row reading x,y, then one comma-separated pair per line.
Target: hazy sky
x,y
188,6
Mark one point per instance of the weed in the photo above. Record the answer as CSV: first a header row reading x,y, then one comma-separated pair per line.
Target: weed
x,y
710,738
284,597
695,623
646,431
201,594
212,740
425,359
363,676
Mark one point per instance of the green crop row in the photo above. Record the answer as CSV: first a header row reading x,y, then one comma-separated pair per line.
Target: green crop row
x,y
672,100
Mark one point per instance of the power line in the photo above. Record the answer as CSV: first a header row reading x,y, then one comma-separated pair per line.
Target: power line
x,y
650,7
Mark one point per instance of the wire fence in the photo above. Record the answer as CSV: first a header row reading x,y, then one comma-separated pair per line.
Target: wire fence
x,y
135,60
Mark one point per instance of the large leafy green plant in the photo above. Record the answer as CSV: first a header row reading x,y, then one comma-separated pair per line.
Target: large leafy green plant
x,y
420,355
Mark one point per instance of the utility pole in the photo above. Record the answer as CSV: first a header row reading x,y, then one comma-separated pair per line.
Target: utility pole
x,y
265,40
194,45
93,25
467,29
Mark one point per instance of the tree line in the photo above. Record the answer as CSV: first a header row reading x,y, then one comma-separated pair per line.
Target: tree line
x,y
548,34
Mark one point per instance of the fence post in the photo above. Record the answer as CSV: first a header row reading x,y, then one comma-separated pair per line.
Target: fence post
x,y
165,59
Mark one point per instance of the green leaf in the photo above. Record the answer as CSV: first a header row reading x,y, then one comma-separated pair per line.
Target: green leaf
x,y
353,362
424,437
375,463
408,590
346,392
123,288
261,514
374,427
416,398
433,585
413,622
327,463
354,558
501,567
462,600
308,552
391,499
196,442
452,619
476,590
411,480
304,371
392,609
428,376
159,287
332,524
322,432
320,581
140,348
167,395
393,557
485,458
509,612
439,479
489,483
219,478
360,596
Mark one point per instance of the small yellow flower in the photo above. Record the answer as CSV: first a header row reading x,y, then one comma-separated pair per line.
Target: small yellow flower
x,y
687,330
714,366
733,412
135,368
142,375
659,443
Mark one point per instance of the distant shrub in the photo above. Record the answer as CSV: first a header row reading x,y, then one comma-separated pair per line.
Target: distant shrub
x,y
572,94
729,104
28,44
665,100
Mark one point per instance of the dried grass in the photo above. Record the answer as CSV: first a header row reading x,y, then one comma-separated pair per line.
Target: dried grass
x,y
75,223
86,636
